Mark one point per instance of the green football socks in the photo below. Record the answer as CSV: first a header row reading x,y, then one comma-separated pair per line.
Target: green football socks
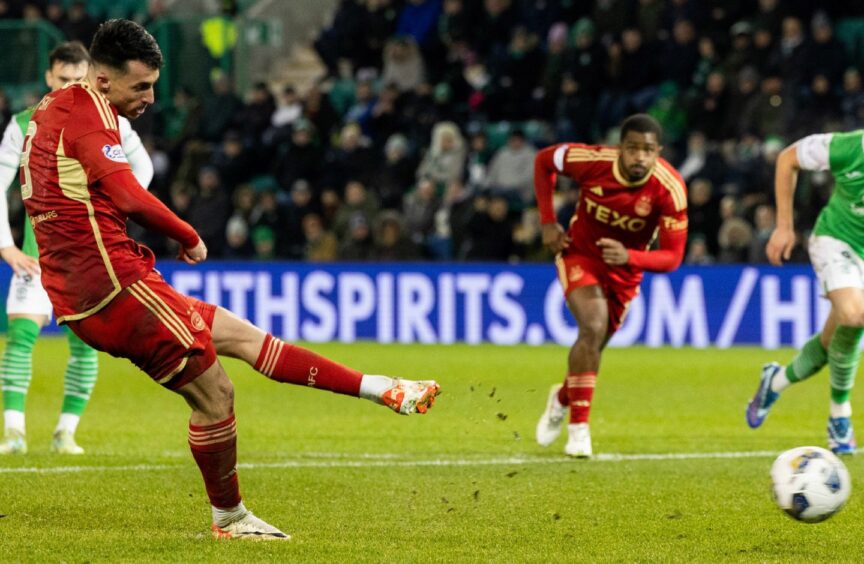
x,y
16,368
843,357
809,360
80,378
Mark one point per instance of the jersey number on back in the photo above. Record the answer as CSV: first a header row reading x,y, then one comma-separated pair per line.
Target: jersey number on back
x,y
27,185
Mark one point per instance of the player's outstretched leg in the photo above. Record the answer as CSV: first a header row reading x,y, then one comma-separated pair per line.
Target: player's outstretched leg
x,y
552,421
17,370
78,383
213,441
774,379
287,363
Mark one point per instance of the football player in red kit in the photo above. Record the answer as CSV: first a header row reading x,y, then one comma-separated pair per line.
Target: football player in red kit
x,y
628,196
79,190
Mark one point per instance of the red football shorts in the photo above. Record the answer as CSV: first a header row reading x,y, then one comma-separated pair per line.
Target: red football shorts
x,y
164,333
576,271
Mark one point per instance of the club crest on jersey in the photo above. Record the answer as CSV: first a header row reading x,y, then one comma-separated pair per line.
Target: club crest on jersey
x,y
575,273
114,153
197,321
643,206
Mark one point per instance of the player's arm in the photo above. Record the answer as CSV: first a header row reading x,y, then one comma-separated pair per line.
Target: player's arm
x,y
147,210
809,153
548,163
10,163
672,240
139,160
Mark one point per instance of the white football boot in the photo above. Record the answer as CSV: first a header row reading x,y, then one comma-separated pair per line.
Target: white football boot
x,y
552,420
578,441
248,527
63,442
14,442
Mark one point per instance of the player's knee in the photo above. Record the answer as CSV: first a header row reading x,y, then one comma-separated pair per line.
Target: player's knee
x,y
592,333
850,315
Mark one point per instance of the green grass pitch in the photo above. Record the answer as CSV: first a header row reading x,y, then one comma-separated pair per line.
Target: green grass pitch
x,y
352,481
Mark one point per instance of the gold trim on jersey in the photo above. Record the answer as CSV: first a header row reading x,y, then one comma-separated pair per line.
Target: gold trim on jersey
x,y
581,154
72,181
162,311
562,270
616,172
674,186
102,106
165,379
76,316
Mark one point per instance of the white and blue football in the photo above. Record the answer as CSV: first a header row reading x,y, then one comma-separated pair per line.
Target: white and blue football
x,y
810,483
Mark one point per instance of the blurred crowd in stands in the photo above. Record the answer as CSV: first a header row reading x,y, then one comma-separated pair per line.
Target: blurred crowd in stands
x,y
418,144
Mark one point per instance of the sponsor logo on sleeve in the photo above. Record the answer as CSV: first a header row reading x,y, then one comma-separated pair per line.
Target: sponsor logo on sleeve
x,y
114,153
672,224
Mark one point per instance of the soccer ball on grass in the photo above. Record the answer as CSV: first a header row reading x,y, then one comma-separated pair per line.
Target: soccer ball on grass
x,y
810,483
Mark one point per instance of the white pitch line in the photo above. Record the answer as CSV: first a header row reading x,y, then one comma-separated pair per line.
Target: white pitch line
x,y
369,461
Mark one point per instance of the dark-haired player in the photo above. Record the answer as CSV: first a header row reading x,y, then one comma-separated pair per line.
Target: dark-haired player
x,y
28,306
628,196
79,191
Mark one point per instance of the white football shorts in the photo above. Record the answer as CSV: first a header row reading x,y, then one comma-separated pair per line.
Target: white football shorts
x,y
27,296
836,264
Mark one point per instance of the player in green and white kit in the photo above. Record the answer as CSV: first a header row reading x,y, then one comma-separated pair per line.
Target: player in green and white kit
x,y
28,307
836,249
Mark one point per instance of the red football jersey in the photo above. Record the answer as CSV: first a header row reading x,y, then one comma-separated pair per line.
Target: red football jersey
x,y
610,206
86,256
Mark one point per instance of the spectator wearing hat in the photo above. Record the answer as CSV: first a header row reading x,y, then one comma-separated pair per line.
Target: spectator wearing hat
x,y
358,201
445,158
403,64
264,243
299,157
391,242
351,159
238,245
357,245
395,173
741,51
824,54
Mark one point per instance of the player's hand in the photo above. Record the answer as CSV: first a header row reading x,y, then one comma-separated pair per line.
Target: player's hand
x,y
555,237
780,245
614,252
196,254
21,264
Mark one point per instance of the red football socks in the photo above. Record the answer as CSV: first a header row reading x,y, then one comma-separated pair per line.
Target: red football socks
x,y
295,365
580,390
214,448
